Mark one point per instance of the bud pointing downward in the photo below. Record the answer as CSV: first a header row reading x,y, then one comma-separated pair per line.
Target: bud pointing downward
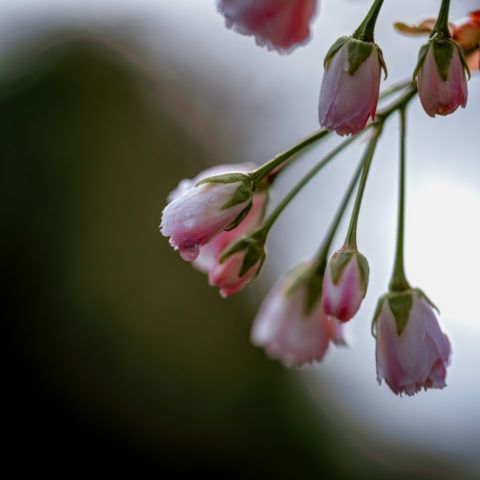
x,y
411,351
200,212
350,85
345,284
287,329
441,79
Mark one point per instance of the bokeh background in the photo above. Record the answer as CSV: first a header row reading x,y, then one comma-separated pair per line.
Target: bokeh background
x,y
119,357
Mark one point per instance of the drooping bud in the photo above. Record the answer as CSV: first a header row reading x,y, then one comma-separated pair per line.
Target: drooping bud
x,y
350,85
279,25
290,327
238,265
411,350
441,76
345,283
202,211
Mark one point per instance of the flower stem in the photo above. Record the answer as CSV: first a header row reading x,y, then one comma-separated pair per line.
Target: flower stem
x,y
441,26
270,220
365,31
351,239
399,281
322,256
259,174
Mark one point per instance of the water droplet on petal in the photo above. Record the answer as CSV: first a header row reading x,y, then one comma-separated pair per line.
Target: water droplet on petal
x,y
189,250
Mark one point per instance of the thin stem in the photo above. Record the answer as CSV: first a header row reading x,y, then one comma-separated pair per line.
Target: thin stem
x,y
399,281
264,170
441,26
351,239
365,31
394,88
270,220
321,259
398,104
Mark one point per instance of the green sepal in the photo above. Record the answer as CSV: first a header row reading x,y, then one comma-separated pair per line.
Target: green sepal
x,y
254,247
333,50
383,65
358,51
226,178
242,194
342,258
239,218
400,305
312,280
424,297
463,59
422,53
314,291
442,53
378,310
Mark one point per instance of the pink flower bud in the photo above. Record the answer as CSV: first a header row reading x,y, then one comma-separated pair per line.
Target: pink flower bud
x,y
227,274
197,213
279,25
345,284
442,88
411,351
350,86
287,331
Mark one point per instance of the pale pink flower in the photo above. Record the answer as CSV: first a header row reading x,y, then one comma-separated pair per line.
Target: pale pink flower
x,y
286,331
226,274
345,284
277,24
198,212
417,357
348,100
440,96
209,257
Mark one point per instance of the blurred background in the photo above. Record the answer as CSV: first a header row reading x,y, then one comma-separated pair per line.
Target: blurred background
x,y
120,358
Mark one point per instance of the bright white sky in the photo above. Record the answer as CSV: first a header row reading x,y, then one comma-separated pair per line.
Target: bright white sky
x,y
269,102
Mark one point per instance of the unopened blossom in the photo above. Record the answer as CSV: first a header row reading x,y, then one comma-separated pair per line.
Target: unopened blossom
x,y
442,88
227,273
288,330
465,32
350,86
345,284
412,352
199,212
279,25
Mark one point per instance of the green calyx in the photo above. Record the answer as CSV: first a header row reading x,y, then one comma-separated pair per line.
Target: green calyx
x,y
242,194
254,248
342,258
357,52
442,49
400,304
311,279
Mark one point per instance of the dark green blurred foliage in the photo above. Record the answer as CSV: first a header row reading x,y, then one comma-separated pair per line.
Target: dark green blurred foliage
x,y
120,358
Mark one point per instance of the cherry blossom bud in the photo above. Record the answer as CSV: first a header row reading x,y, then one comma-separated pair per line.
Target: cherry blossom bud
x,y
411,350
209,257
279,25
441,77
350,85
345,284
202,211
288,328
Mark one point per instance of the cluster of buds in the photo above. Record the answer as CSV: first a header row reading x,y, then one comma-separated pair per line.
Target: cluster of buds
x,y
219,221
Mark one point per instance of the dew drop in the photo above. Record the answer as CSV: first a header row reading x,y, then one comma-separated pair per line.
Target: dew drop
x,y
189,250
